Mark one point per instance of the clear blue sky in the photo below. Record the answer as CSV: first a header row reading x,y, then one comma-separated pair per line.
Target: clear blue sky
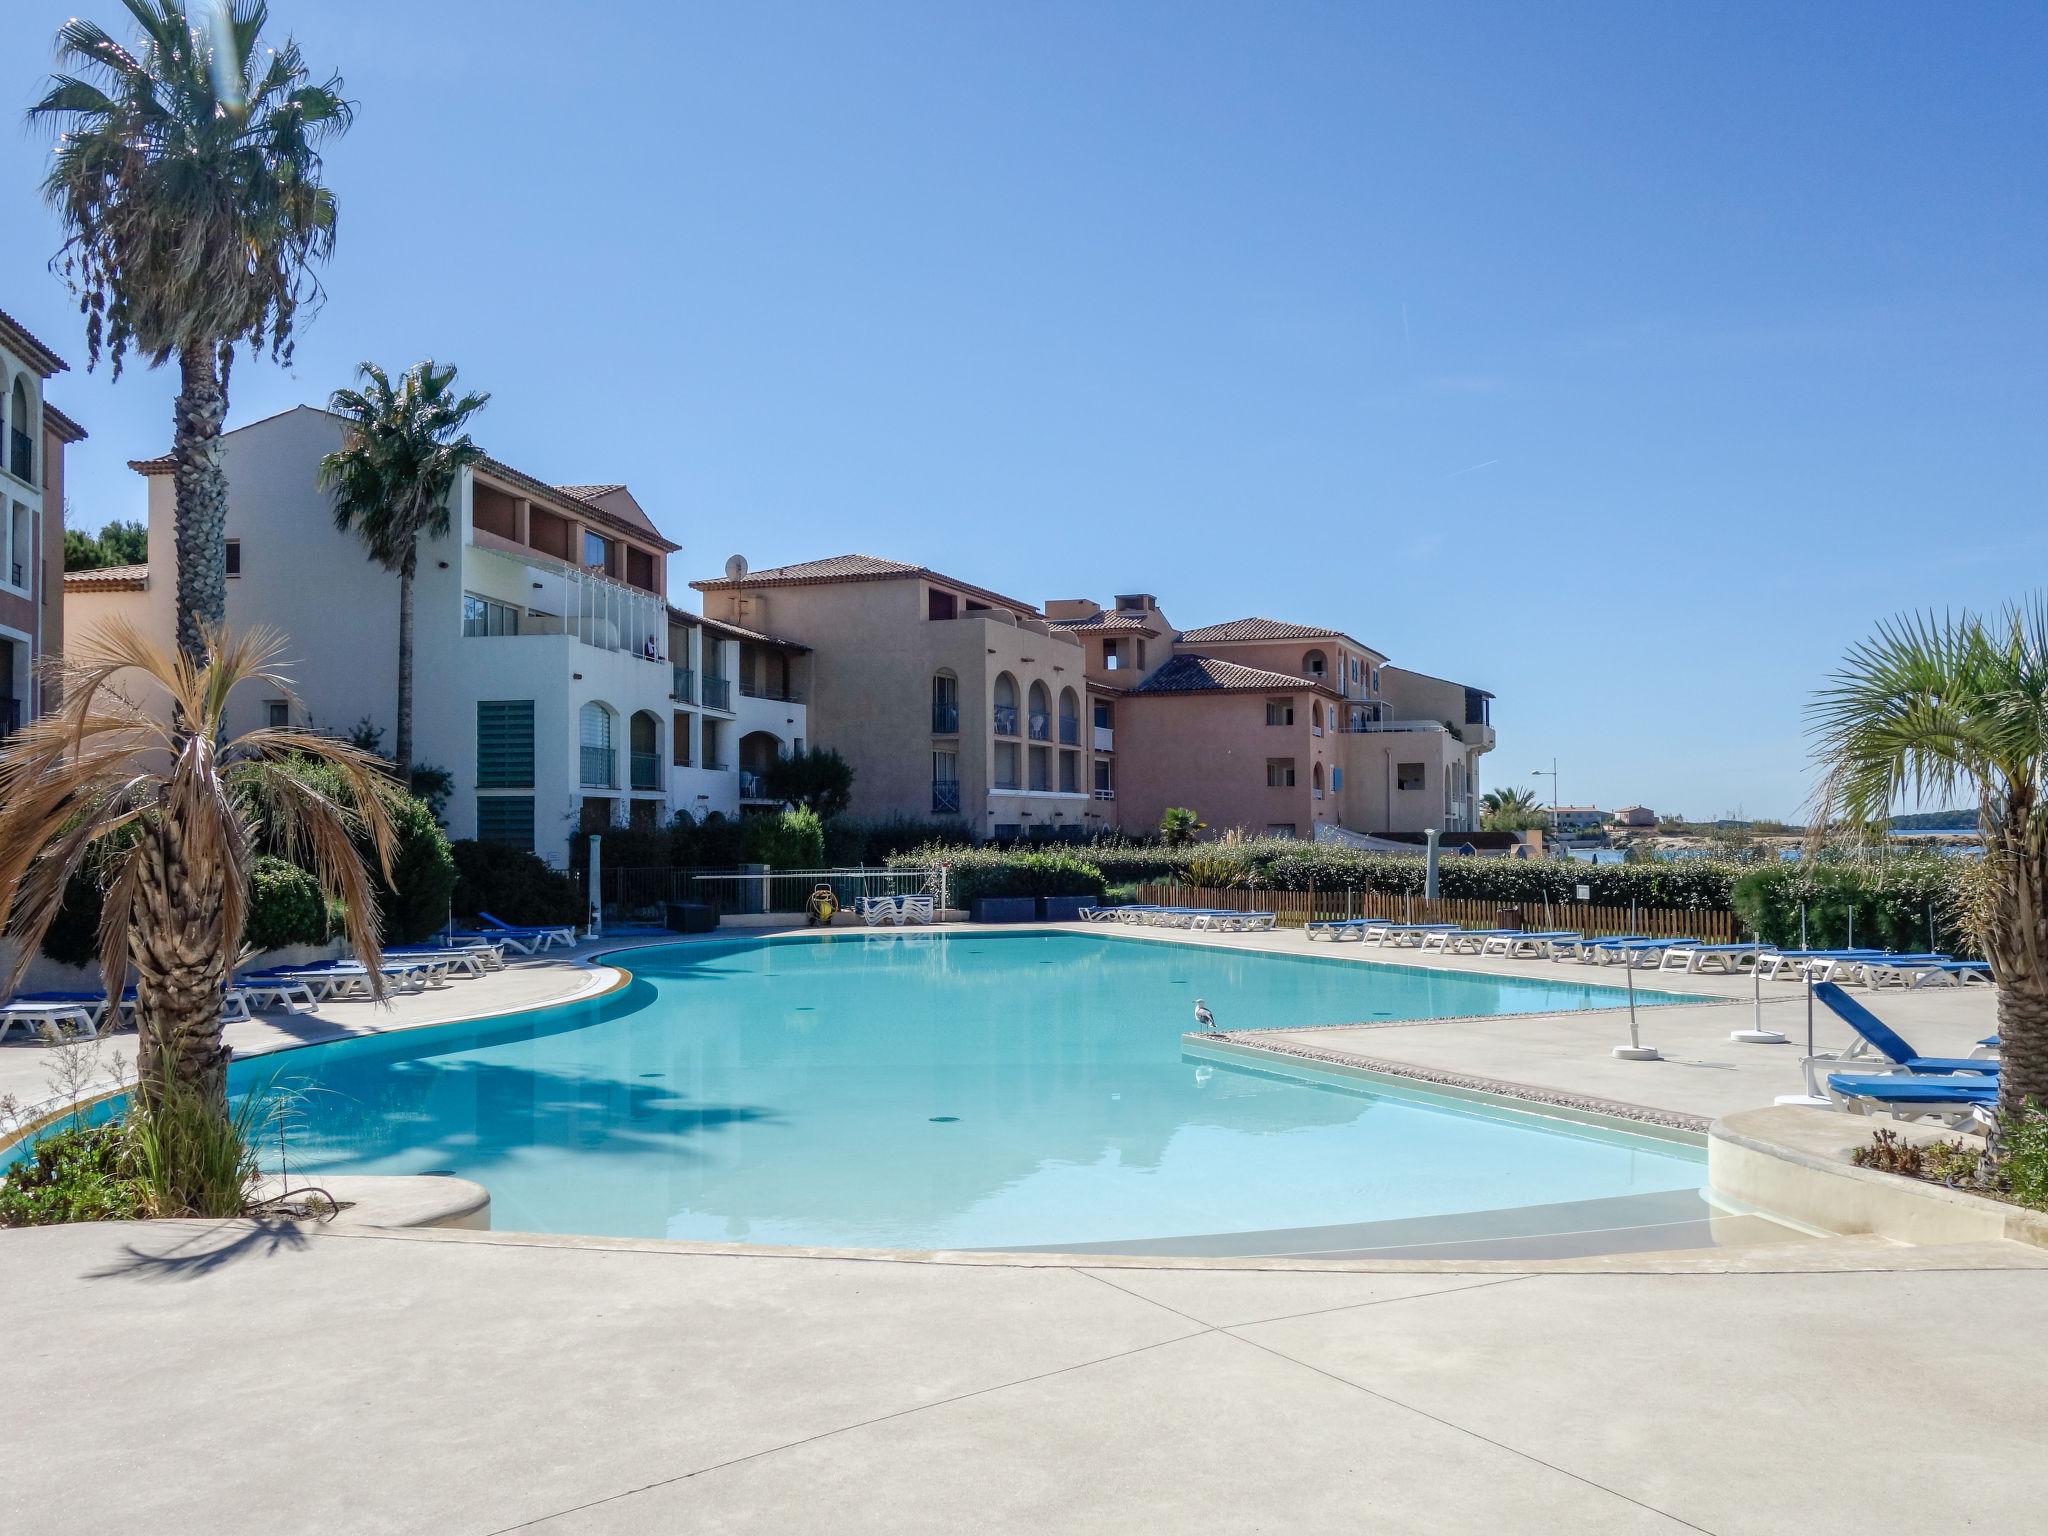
x,y
1626,360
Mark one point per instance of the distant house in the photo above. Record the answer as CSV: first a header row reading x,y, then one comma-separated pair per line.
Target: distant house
x,y
1636,816
1577,818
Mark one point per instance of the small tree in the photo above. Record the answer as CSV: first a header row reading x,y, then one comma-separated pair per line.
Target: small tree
x,y
1179,826
815,778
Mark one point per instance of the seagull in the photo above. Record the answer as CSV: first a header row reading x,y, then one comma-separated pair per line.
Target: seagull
x,y
1203,1016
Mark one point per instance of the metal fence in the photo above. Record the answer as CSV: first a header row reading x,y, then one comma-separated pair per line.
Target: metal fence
x,y
1292,908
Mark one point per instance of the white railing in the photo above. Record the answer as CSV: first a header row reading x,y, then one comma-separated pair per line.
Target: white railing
x,y
559,599
753,891
1105,738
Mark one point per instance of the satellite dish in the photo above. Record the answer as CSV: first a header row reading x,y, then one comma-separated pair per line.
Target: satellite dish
x,y
736,567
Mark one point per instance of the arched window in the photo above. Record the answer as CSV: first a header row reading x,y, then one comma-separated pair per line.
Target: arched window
x,y
1315,715
1006,705
945,704
1041,713
21,451
644,733
1070,718
599,751
1316,779
1315,664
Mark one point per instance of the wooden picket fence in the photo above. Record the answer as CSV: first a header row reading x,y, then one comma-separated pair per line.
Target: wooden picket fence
x,y
1295,908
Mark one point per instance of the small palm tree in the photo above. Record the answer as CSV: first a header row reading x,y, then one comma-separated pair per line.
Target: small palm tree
x,y
1929,708
167,810
1179,826
187,174
1511,799
391,479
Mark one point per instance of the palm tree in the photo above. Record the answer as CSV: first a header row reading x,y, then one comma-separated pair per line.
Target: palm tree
x,y
391,479
1517,800
166,810
1931,707
187,174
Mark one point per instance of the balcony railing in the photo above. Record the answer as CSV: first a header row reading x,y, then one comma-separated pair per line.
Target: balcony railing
x,y
1041,726
1105,738
646,770
1105,794
20,454
684,688
717,692
782,693
18,574
945,719
1006,721
599,767
1070,731
946,796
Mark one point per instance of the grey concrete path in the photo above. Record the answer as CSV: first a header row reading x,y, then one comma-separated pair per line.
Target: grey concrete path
x,y
189,1377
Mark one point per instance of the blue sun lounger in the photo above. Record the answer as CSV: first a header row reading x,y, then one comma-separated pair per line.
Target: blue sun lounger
x,y
1337,928
1874,1034
1952,1100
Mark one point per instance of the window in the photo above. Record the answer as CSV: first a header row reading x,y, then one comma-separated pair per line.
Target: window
x,y
1104,784
505,819
1041,768
234,557
1006,705
1336,780
681,756
1408,776
1279,773
1112,659
940,605
277,714
1008,831
712,728
1279,711
1373,682
21,449
504,744
946,783
597,550
1006,766
945,704
486,616
594,736
1070,773
1315,664
1315,778
1315,717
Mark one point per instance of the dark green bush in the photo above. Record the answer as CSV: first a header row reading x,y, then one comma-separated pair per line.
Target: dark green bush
x,y
512,884
285,906
972,873
791,840
73,937
1900,903
415,904
851,842
79,1173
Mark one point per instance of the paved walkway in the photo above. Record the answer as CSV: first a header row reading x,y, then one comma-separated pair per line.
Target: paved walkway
x,y
228,1378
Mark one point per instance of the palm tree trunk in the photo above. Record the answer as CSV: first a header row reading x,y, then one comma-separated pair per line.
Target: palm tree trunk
x,y
181,957
2017,948
403,751
202,497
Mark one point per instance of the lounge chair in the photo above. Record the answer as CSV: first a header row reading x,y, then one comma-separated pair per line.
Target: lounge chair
x,y
1873,1034
1519,944
76,1018
260,991
1577,946
914,909
490,950
1454,941
1337,928
1913,973
545,936
346,978
1405,935
1856,967
1955,1101
1648,954
1697,959
1231,920
1793,963
876,910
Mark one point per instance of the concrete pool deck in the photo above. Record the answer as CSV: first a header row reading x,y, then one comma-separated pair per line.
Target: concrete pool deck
x,y
477,1383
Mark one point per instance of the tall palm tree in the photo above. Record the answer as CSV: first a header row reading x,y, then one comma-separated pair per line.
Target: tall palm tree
x,y
168,809
187,174
391,479
1932,707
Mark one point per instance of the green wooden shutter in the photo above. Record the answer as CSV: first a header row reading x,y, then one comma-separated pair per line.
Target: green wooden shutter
x,y
504,743
505,819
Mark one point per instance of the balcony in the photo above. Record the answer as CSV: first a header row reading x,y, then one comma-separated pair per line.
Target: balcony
x,y
946,797
1105,794
646,768
1041,726
1070,731
21,460
600,767
717,692
781,693
945,719
753,787
1006,721
560,599
1105,738
684,688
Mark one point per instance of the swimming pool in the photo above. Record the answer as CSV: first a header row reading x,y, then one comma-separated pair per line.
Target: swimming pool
x,y
950,1091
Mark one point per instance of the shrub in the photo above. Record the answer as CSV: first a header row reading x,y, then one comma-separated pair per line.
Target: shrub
x,y
285,906
816,779
851,841
416,902
791,840
714,842
1900,903
73,937
79,1173
2023,1157
973,873
513,884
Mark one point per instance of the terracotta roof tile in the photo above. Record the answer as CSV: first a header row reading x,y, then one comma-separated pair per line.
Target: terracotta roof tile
x,y
108,578
162,464
1204,674
1258,629
677,616
20,338
842,568
67,430
1105,624
590,492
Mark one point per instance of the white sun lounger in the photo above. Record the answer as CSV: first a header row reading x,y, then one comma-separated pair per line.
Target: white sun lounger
x,y
1338,928
1697,959
1516,944
76,1018
913,909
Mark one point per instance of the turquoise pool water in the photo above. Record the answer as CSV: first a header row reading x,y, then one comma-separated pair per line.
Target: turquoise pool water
x,y
947,1091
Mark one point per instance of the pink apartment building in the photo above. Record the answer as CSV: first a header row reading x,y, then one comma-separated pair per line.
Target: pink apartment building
x,y
31,524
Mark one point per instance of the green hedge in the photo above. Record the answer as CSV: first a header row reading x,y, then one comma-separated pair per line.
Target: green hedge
x,y
791,840
972,873
512,884
416,902
285,906
1902,903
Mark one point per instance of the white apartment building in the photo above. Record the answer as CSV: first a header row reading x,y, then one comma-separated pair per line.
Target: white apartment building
x,y
546,674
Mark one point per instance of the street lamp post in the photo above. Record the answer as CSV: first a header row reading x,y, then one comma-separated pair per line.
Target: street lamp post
x,y
1550,773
